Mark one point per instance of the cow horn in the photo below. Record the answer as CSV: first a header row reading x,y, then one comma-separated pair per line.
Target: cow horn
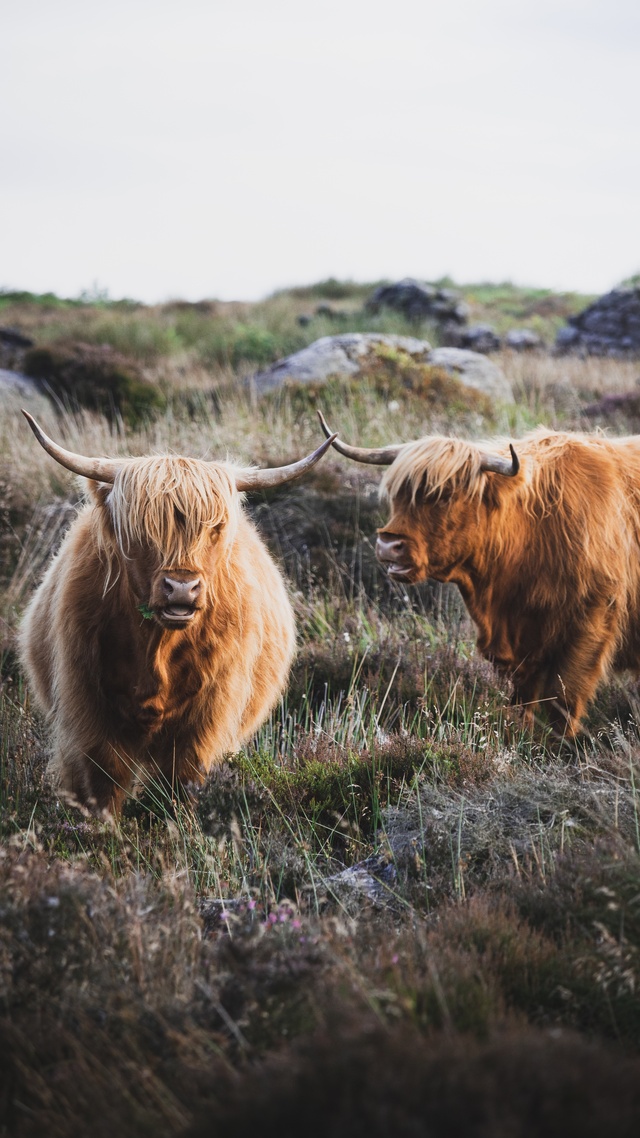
x,y
377,456
494,464
99,469
277,475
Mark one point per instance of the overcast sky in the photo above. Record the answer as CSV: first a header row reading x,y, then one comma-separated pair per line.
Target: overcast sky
x,y
225,148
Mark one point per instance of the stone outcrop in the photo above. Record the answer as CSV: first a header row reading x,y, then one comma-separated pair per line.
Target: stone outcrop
x,y
419,301
608,327
348,355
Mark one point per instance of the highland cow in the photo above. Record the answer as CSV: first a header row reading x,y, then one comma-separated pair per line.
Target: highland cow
x,y
544,546
162,634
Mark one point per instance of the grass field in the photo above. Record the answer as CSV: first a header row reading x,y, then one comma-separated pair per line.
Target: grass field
x,y
214,968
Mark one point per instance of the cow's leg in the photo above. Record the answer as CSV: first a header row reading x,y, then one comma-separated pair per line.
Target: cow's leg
x,y
172,764
526,696
96,777
573,678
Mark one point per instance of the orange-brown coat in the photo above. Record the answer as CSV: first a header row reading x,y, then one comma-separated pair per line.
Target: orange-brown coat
x,y
547,561
131,679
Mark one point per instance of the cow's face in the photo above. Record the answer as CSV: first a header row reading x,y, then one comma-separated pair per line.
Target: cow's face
x,y
173,595
427,539
170,522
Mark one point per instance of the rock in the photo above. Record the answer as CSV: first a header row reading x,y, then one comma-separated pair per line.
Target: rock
x,y
14,338
342,355
373,880
16,391
567,339
477,338
608,327
14,381
13,345
522,340
419,301
348,355
474,370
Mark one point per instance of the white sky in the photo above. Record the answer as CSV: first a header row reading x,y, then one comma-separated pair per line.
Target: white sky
x,y
229,147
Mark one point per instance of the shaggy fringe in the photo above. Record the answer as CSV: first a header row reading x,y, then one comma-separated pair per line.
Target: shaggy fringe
x,y
173,504
429,466
434,465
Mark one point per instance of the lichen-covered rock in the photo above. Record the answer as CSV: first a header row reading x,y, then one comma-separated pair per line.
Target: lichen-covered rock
x,y
342,355
474,370
365,354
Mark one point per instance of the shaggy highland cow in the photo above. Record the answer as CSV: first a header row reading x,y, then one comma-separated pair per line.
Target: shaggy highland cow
x,y
161,635
544,546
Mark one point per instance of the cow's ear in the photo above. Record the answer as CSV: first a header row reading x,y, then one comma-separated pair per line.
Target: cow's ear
x,y
99,491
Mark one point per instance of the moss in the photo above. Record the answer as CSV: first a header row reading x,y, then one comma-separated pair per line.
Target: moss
x,y
392,375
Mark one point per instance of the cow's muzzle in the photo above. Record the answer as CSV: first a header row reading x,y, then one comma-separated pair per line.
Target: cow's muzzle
x,y
393,552
180,599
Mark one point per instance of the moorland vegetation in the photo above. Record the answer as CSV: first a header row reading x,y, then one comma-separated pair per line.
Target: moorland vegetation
x,y
220,966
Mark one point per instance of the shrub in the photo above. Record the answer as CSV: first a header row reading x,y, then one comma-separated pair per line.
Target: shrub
x,y
96,378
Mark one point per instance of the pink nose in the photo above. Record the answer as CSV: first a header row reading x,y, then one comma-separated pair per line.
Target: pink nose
x,y
391,548
181,592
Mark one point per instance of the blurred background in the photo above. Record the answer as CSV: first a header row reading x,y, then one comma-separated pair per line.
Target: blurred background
x,y
218,149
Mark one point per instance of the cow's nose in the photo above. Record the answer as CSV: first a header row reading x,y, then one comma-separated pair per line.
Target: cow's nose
x,y
390,549
181,592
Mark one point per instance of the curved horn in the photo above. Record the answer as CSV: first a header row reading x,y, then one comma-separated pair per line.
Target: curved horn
x,y
99,469
494,464
277,475
377,456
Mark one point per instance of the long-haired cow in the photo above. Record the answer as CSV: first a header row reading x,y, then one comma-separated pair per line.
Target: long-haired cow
x,y
544,546
161,635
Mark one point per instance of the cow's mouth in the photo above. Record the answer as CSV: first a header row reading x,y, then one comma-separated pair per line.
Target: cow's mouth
x,y
402,572
177,614
393,553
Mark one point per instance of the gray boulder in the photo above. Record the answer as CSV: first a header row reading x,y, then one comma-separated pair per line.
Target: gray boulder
x,y
474,370
348,355
16,391
341,355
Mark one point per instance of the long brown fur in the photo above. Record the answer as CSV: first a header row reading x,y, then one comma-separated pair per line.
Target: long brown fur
x,y
548,562
125,695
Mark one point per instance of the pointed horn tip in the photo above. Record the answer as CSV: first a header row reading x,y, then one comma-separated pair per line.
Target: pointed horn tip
x,y
325,425
329,439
